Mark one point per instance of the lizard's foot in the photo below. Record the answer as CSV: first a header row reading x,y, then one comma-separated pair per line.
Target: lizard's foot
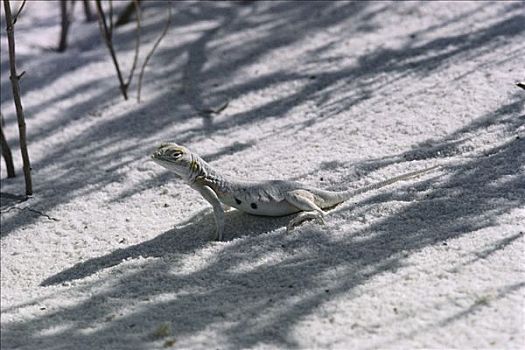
x,y
305,216
304,201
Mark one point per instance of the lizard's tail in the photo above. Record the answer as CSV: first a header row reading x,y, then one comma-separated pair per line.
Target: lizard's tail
x,y
351,193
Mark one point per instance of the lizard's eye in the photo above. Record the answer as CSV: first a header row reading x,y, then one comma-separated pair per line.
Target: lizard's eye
x,y
176,154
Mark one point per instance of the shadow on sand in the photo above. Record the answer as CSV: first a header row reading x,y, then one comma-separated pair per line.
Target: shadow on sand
x,y
263,303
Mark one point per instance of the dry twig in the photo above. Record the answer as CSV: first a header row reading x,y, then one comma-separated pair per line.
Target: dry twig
x,y
137,46
87,11
110,18
15,17
166,27
125,16
107,36
16,97
6,150
66,13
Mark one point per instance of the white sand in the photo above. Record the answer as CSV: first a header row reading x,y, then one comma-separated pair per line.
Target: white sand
x,y
336,95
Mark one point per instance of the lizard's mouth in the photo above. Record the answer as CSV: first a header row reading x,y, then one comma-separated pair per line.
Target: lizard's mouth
x,y
162,160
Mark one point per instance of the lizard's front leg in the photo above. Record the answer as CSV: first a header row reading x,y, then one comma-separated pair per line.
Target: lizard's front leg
x,y
218,211
304,201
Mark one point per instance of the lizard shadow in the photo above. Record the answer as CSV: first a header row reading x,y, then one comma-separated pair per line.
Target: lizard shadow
x,y
189,236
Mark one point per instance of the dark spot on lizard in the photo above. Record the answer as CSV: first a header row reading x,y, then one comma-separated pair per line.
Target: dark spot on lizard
x,y
237,200
253,205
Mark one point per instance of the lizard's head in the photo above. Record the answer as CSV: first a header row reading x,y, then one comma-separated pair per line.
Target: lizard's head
x,y
176,158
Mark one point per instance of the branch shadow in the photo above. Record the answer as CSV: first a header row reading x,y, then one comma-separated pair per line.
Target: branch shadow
x,y
509,117
255,291
278,25
252,302
482,302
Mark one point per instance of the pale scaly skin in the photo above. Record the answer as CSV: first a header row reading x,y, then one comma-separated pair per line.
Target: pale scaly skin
x,y
267,198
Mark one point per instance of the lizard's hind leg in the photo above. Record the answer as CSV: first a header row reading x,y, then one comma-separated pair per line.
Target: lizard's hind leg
x,y
304,201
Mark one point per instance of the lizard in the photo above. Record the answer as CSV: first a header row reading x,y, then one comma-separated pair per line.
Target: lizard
x,y
266,198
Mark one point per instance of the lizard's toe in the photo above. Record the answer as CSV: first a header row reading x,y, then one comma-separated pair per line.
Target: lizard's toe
x,y
291,225
304,216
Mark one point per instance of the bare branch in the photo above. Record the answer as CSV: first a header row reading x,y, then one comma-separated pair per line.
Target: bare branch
x,y
66,15
16,97
15,17
110,18
125,16
62,43
137,45
6,150
104,31
168,22
87,11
